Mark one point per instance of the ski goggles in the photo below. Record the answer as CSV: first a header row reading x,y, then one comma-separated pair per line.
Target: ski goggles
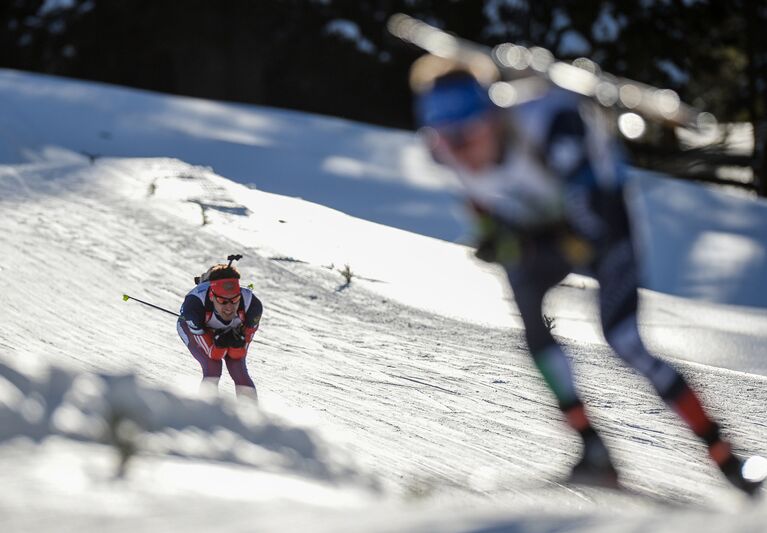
x,y
224,301
455,137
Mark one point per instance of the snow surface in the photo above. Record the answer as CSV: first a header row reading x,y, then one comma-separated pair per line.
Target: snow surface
x,y
401,401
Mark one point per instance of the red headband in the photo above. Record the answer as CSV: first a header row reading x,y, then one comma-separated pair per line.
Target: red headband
x,y
226,288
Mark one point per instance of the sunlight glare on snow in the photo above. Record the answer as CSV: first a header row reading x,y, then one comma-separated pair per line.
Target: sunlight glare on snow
x,y
728,256
484,479
755,468
234,482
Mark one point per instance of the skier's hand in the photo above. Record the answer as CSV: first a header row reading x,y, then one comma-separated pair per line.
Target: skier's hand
x,y
497,242
508,249
486,231
486,250
237,339
223,339
240,337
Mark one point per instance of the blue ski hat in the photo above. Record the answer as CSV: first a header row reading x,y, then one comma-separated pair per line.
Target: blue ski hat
x,y
452,100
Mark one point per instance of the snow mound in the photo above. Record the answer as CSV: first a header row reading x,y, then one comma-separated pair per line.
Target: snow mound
x,y
120,411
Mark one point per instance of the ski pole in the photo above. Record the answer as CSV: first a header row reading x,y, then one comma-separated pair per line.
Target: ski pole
x,y
126,298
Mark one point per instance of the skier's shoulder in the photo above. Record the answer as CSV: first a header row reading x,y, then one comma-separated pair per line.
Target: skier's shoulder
x,y
539,119
250,301
199,291
193,308
550,103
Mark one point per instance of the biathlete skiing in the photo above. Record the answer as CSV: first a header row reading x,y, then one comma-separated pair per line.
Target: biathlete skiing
x,y
217,322
545,180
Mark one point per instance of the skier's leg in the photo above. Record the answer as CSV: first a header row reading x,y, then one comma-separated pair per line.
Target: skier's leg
x,y
529,282
668,382
547,355
200,347
617,274
243,383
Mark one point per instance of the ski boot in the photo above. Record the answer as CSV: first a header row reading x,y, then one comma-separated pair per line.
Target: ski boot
x,y
595,468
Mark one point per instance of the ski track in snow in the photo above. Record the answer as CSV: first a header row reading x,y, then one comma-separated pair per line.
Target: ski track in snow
x,y
441,411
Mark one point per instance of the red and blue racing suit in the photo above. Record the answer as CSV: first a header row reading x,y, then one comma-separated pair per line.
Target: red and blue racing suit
x,y
199,325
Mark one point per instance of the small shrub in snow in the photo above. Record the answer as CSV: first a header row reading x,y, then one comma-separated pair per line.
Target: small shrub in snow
x,y
347,273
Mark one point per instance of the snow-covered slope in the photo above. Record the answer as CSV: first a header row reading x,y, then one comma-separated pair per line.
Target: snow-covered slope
x,y
333,162
704,244
402,401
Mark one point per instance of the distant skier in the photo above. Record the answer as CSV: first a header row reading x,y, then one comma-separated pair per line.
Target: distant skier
x,y
546,182
217,323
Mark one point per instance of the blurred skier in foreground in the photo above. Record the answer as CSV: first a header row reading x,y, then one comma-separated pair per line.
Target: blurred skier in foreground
x,y
218,320
545,180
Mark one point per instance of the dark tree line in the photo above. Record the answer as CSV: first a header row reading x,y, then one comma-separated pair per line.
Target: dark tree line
x,y
335,57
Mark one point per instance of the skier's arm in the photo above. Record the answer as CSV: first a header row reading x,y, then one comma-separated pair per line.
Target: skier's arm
x,y
253,314
249,328
252,319
495,240
193,313
567,154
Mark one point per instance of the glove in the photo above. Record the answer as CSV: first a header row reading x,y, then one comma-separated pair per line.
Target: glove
x,y
216,352
241,337
497,243
486,250
225,339
209,341
237,339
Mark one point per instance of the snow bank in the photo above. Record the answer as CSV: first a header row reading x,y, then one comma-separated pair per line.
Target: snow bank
x,y
701,242
136,419
330,161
